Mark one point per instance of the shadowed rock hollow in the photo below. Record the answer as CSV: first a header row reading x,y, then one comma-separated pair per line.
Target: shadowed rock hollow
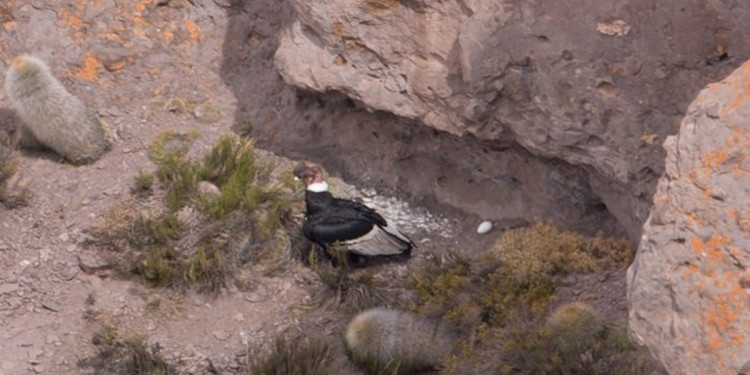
x,y
539,109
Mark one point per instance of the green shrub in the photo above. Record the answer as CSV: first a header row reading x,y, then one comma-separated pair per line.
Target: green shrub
x,y
203,251
11,194
499,302
294,357
346,291
144,184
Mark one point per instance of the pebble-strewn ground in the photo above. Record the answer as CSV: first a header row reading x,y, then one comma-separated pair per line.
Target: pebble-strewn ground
x,y
147,68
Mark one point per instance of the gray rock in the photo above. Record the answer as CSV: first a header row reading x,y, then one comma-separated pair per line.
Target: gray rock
x,y
580,88
51,305
207,188
688,285
91,262
9,288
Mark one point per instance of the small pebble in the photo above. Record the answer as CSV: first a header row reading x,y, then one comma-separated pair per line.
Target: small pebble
x,y
484,227
51,305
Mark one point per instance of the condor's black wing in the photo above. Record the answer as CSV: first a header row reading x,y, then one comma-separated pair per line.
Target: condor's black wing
x,y
358,227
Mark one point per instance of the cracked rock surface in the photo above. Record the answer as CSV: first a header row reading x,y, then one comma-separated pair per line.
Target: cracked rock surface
x,y
688,286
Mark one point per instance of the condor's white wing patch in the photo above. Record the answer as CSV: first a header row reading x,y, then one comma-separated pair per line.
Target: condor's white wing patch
x,y
379,241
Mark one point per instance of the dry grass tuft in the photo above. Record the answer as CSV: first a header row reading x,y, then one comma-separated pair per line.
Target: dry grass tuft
x,y
13,192
499,305
143,185
199,240
347,291
294,357
542,250
573,340
130,355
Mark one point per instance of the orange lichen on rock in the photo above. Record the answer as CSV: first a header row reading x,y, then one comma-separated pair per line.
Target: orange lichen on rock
x,y
713,159
90,69
697,245
339,60
75,24
721,318
115,66
381,5
194,30
660,198
109,36
741,88
706,188
694,219
743,222
138,9
689,269
715,247
168,36
337,29
713,252
140,34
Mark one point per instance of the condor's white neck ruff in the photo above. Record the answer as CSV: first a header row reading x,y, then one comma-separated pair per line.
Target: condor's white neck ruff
x,y
318,187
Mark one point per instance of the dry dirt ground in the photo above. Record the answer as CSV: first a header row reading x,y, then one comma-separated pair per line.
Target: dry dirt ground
x,y
147,68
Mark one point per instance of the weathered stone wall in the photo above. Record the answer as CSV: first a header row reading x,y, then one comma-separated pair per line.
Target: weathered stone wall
x,y
484,179
688,286
595,84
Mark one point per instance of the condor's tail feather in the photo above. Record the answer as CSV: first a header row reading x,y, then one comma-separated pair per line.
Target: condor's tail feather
x,y
381,240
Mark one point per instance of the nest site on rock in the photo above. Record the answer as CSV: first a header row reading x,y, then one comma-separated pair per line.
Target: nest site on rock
x,y
231,219
496,309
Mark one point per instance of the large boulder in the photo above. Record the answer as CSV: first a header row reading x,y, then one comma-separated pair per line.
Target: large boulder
x,y
688,288
594,84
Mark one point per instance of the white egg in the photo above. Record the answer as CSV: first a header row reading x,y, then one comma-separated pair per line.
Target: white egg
x,y
484,227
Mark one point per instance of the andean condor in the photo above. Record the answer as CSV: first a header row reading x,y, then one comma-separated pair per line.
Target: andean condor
x,y
335,221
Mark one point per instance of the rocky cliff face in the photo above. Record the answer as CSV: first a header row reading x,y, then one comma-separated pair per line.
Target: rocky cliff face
x,y
599,88
688,286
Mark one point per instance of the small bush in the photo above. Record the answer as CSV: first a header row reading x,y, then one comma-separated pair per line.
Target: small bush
x,y
579,343
177,176
143,185
542,250
126,356
346,291
197,239
12,193
8,164
499,301
294,357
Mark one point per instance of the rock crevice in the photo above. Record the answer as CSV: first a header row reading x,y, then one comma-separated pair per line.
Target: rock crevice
x,y
598,89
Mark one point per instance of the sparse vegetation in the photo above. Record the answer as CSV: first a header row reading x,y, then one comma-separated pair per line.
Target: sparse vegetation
x,y
347,291
144,184
499,303
294,357
582,343
198,239
126,356
10,195
542,250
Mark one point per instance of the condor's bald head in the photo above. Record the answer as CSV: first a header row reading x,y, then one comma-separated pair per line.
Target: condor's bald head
x,y
308,172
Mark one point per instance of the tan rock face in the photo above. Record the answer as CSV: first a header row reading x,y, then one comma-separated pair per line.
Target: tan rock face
x,y
688,286
598,85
